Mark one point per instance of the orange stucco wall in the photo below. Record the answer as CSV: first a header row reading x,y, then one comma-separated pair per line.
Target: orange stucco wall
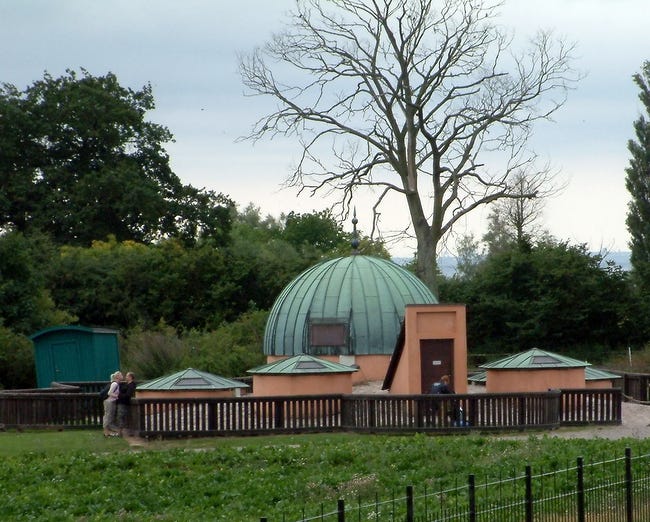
x,y
599,384
275,385
371,367
499,381
185,394
431,322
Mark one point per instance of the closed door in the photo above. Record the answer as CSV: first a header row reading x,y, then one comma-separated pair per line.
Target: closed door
x,y
66,361
436,359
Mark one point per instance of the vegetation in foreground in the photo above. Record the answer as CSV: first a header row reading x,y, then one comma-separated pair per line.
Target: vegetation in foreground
x,y
82,476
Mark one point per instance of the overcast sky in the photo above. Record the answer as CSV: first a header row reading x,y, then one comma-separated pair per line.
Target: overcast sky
x,y
188,52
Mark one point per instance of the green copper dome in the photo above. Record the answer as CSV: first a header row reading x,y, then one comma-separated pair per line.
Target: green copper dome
x,y
346,306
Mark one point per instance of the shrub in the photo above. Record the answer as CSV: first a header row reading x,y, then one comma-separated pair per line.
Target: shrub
x,y
17,369
153,353
232,348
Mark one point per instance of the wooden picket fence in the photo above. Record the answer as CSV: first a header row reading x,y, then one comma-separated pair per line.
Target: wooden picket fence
x,y
320,413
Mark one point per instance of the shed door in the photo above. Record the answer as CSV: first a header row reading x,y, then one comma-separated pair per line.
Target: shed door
x,y
65,355
436,360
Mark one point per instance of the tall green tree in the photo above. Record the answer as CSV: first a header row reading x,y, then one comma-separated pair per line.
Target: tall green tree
x,y
17,367
124,284
25,267
318,234
550,295
80,161
637,182
317,229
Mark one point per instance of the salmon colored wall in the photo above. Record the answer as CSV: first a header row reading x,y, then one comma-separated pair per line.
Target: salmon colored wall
x,y
371,367
431,322
314,384
185,394
599,384
499,381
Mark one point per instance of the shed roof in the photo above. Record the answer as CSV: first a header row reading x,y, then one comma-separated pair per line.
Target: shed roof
x,y
73,328
191,379
300,365
591,374
534,359
594,374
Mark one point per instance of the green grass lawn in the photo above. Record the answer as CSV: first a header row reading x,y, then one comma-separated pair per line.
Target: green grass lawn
x,y
80,475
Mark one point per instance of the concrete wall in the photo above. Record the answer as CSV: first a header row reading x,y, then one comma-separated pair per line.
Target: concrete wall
x,y
371,367
530,380
312,384
599,384
186,394
436,321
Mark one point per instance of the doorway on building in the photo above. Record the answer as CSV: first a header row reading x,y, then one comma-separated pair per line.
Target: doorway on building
x,y
436,360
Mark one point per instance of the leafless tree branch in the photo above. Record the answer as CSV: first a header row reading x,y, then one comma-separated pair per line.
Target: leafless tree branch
x,y
424,98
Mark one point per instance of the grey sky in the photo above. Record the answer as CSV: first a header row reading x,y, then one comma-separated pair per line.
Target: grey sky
x,y
187,51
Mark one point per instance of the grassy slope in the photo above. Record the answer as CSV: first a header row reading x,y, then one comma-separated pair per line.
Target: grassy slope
x,y
82,476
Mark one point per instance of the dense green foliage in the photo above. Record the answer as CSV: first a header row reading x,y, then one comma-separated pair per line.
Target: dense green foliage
x,y
17,368
126,284
25,301
229,349
637,182
51,476
79,161
549,295
204,306
178,305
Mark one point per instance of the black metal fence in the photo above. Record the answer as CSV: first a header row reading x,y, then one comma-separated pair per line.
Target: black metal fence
x,y
615,490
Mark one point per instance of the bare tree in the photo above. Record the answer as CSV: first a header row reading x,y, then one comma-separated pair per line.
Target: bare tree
x,y
413,97
518,218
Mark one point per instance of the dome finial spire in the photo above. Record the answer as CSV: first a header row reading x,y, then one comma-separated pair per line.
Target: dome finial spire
x,y
355,235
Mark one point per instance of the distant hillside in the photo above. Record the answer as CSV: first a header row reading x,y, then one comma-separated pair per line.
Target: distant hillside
x,y
447,264
622,259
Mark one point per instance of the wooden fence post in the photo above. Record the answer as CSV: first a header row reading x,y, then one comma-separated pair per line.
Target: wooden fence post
x,y
278,418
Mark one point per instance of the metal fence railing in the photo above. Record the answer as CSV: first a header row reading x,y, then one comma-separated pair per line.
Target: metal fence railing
x,y
608,491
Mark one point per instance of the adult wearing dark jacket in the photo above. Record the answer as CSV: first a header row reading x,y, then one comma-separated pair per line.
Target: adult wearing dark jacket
x,y
449,408
127,392
441,387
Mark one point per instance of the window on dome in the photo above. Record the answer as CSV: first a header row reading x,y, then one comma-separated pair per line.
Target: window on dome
x,y
310,365
328,334
544,359
191,381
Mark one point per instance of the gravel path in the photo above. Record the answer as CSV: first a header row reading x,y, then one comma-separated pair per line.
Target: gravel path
x,y
636,425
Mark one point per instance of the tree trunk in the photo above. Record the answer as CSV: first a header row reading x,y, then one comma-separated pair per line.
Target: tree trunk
x,y
427,243
427,263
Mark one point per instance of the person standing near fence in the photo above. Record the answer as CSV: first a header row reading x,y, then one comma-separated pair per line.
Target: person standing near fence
x,y
127,392
442,388
110,403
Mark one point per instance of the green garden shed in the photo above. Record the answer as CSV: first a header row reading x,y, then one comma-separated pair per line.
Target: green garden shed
x,y
75,354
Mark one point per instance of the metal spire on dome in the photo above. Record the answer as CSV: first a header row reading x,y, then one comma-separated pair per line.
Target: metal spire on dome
x,y
355,236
